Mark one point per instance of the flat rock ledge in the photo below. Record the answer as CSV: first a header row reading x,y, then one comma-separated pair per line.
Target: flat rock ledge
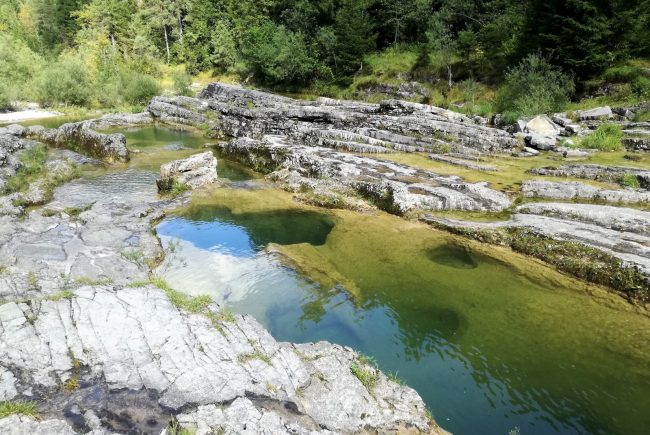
x,y
393,187
621,234
223,375
577,190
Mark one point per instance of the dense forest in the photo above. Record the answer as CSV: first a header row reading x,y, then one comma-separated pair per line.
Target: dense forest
x,y
517,55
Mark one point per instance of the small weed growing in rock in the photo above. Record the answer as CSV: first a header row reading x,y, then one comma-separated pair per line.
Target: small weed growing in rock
x,y
71,384
32,281
28,409
85,280
255,355
178,189
629,180
366,375
64,294
225,315
368,360
393,377
607,137
175,428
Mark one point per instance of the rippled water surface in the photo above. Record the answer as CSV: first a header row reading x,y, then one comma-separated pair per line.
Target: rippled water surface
x,y
491,341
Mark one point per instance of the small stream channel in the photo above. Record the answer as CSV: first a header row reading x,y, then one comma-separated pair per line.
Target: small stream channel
x,y
492,343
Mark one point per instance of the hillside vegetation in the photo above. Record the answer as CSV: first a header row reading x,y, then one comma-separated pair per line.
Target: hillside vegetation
x,y
487,56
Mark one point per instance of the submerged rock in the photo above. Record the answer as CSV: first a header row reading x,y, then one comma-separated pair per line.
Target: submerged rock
x,y
196,171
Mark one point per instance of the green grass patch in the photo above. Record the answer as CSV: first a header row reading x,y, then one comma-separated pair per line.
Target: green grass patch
x,y
63,294
607,137
33,167
629,180
28,409
366,375
257,354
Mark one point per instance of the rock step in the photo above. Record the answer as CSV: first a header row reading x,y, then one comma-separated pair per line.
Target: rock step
x,y
577,190
394,187
463,163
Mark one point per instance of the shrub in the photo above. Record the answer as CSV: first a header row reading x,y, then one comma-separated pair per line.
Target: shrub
x,y
607,137
182,83
641,87
65,82
533,87
5,97
138,88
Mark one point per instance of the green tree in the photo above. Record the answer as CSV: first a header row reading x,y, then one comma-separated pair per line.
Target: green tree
x,y
276,54
354,36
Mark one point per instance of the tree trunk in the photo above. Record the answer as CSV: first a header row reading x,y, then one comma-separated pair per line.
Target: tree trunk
x,y
449,77
166,43
180,28
112,40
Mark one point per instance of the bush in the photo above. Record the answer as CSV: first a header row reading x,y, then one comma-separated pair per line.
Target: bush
x,y
629,180
138,88
65,82
182,83
276,54
641,87
607,137
5,97
533,87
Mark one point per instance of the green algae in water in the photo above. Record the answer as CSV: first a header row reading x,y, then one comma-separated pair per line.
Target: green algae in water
x,y
491,340
452,255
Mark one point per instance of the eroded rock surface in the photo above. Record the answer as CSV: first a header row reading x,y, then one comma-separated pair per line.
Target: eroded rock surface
x,y
577,190
346,125
195,171
393,187
111,147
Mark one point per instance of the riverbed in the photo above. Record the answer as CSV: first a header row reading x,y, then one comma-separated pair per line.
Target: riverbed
x,y
491,340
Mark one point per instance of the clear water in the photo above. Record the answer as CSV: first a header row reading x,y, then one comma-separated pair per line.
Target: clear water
x,y
490,343
464,329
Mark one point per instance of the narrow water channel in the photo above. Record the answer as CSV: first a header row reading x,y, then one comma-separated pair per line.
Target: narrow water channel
x,y
490,340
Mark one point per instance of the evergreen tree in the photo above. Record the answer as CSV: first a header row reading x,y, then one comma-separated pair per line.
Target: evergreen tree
x,y
354,36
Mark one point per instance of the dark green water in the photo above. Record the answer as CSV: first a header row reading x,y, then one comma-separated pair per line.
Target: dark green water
x,y
489,346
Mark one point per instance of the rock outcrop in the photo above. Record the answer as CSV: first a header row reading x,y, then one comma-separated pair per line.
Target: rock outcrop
x,y
393,187
610,174
577,190
82,135
234,112
194,172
